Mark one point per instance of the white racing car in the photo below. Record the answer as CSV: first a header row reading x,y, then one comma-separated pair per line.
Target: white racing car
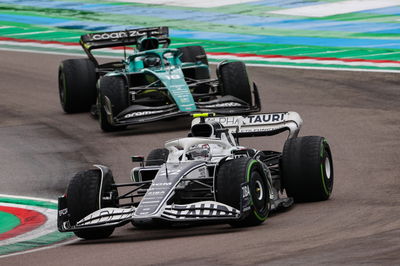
x,y
206,177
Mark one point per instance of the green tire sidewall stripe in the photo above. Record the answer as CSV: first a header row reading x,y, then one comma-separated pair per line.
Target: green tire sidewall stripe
x,y
249,166
44,240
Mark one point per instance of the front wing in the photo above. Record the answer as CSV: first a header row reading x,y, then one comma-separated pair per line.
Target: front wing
x,y
140,114
113,217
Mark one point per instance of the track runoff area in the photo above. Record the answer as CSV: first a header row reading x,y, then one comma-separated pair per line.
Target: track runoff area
x,y
27,224
331,35
334,34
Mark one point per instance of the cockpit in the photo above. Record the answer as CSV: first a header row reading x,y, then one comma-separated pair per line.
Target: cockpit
x,y
206,142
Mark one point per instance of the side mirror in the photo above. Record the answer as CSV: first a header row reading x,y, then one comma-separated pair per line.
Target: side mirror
x,y
137,159
200,57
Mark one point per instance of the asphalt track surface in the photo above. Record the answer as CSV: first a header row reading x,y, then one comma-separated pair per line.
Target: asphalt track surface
x,y
358,112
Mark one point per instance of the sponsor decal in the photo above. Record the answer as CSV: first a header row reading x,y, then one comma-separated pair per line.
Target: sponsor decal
x,y
201,210
246,198
266,118
173,77
119,34
62,212
142,113
228,104
261,119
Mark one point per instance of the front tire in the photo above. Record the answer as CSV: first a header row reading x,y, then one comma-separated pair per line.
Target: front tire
x,y
77,85
84,197
114,88
231,175
235,81
307,169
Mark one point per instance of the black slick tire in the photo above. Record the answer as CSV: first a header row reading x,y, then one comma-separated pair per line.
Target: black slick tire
x,y
83,198
307,169
234,81
231,175
114,88
157,157
77,85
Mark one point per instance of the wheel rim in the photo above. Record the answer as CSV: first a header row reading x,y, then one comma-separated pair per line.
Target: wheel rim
x,y
327,168
259,190
259,194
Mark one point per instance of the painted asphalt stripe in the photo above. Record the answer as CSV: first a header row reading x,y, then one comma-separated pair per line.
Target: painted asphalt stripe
x,y
306,58
19,252
308,61
44,237
342,7
242,56
380,54
55,44
48,227
189,3
271,65
8,222
202,17
300,31
29,220
324,68
324,52
30,33
32,199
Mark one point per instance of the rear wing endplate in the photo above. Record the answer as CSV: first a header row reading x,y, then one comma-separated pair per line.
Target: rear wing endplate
x,y
267,124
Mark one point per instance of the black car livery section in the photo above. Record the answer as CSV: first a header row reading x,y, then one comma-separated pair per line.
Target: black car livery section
x,y
206,177
163,182
151,83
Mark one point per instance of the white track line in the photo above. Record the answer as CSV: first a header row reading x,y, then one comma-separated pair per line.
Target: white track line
x,y
249,64
29,33
28,198
335,8
40,249
190,3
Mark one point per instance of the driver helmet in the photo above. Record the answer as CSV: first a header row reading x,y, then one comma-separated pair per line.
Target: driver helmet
x,y
199,152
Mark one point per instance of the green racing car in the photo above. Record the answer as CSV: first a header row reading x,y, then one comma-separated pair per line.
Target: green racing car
x,y
153,83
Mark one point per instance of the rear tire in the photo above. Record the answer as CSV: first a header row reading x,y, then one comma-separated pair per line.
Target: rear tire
x,y
307,169
157,157
189,54
113,87
235,81
77,85
231,175
83,199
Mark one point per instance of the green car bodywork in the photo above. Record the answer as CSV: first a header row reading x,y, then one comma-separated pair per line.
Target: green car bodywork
x,y
168,71
154,82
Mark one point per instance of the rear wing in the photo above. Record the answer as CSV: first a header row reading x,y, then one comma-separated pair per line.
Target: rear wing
x,y
108,39
259,124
